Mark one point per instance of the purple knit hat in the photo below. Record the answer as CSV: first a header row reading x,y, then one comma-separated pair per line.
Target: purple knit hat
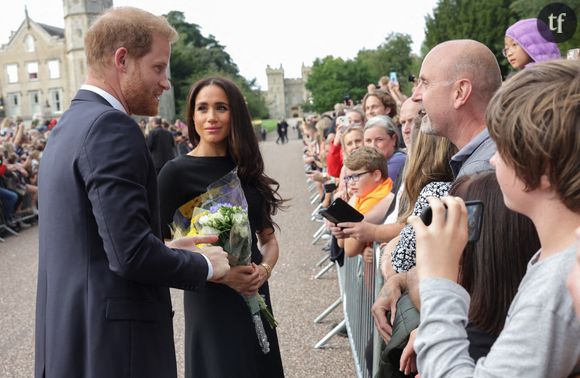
x,y
526,34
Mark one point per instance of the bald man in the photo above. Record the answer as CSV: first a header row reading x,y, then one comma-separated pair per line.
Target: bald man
x,y
457,80
409,111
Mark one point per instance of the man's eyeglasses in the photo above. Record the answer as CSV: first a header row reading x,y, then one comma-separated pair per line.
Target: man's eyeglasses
x,y
355,177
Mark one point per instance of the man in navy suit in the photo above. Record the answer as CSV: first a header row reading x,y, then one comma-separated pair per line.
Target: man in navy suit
x,y
103,303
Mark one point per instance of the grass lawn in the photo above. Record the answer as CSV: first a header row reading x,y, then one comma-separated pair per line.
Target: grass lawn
x,y
268,124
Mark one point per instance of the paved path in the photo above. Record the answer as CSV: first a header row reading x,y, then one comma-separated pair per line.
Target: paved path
x,y
297,298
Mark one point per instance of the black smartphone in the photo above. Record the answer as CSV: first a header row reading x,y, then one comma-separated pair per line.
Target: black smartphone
x,y
339,211
330,187
474,218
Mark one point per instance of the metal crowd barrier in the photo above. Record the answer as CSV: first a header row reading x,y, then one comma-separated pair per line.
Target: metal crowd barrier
x,y
359,285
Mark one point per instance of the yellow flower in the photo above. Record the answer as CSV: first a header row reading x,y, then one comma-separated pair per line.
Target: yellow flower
x,y
192,230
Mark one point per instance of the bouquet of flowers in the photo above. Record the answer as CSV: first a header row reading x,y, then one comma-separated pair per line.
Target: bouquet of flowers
x,y
223,211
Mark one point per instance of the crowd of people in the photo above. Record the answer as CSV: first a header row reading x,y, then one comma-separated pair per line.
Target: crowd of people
x,y
504,304
21,147
496,306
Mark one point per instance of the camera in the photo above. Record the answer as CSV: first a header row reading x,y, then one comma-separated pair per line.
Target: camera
x,y
346,99
411,78
474,218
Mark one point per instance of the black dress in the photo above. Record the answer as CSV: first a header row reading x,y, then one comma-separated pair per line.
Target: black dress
x,y
220,339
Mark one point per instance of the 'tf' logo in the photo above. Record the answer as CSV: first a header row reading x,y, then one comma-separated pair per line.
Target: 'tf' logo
x,y
560,19
557,22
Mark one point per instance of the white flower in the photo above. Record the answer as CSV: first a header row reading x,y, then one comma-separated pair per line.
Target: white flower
x,y
218,217
203,220
240,218
206,230
242,230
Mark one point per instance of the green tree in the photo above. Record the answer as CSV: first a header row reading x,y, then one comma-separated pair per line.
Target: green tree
x,y
394,54
333,78
195,56
482,20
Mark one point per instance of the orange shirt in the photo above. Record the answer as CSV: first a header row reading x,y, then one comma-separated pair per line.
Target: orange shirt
x,y
364,204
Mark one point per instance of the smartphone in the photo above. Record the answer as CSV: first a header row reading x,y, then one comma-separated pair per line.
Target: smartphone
x,y
393,77
330,187
339,211
474,218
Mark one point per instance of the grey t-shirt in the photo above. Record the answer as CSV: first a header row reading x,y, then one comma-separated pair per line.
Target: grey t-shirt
x,y
541,336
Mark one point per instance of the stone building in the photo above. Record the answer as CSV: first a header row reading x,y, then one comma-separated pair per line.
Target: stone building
x,y
43,66
285,97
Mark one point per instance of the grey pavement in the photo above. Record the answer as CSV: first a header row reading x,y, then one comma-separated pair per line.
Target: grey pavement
x,y
297,297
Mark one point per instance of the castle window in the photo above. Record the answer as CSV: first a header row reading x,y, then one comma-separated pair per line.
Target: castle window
x,y
32,69
34,98
55,97
12,72
13,104
29,42
54,69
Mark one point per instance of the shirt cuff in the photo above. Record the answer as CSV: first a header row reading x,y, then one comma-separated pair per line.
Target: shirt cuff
x,y
209,267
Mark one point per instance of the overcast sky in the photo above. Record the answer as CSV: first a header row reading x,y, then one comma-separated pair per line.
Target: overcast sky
x,y
257,33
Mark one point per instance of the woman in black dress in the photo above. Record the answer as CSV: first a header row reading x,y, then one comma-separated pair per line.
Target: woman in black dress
x,y
220,338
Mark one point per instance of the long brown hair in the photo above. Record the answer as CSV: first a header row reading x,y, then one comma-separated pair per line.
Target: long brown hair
x,y
428,162
491,268
242,143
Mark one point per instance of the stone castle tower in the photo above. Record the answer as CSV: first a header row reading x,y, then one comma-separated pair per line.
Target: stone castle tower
x,y
78,16
43,66
285,97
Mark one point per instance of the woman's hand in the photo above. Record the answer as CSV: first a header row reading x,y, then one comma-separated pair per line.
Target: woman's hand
x,y
245,279
408,361
440,245
262,272
317,176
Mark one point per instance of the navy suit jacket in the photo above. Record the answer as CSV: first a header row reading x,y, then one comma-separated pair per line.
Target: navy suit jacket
x,y
103,303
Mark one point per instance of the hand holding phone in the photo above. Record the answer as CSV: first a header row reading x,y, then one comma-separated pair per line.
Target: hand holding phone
x,y
440,245
474,218
340,211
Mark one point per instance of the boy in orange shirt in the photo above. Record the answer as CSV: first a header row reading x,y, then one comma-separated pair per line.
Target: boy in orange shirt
x,y
368,182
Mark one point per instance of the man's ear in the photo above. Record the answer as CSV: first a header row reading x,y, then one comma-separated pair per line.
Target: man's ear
x,y
121,57
462,92
545,183
377,176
